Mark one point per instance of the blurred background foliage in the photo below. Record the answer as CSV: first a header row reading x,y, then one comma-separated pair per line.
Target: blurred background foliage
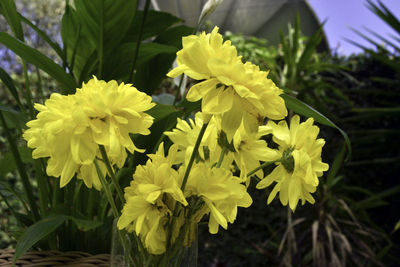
x,y
353,220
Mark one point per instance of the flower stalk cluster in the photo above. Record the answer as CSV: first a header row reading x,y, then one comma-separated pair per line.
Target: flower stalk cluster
x,y
205,173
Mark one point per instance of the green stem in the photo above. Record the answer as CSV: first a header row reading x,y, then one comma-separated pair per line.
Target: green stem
x,y
146,8
106,190
21,169
28,94
14,213
56,192
114,209
193,156
39,84
92,199
262,166
221,157
178,92
44,199
112,173
185,178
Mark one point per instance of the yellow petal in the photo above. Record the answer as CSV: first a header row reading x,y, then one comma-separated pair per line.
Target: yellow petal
x,y
70,167
201,89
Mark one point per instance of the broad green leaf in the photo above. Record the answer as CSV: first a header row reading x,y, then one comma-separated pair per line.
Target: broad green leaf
x,y
150,74
84,224
148,51
305,110
156,23
77,47
160,111
36,232
173,36
38,59
105,22
9,10
118,65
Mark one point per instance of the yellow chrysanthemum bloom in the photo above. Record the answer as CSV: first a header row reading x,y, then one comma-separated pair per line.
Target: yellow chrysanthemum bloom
x,y
149,200
250,150
296,174
69,129
115,111
147,220
185,134
155,178
221,192
235,91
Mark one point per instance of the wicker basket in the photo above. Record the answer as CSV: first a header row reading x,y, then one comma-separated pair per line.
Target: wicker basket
x,y
54,258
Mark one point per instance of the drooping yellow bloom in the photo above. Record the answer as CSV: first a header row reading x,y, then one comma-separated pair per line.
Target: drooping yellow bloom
x,y
221,192
235,91
250,150
296,175
69,129
147,220
149,200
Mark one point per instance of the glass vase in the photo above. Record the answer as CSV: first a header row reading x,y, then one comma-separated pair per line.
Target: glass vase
x,y
127,249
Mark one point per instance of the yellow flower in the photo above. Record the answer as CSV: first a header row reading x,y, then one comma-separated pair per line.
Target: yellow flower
x,y
147,220
68,129
185,134
156,178
150,199
250,150
221,192
296,175
235,91
114,112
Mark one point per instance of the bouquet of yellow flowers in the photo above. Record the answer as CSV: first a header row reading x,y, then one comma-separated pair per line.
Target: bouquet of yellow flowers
x,y
203,171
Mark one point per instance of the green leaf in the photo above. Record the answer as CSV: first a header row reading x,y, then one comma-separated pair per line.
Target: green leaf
x,y
106,23
397,226
20,167
44,36
6,79
36,232
310,49
77,47
84,224
118,65
335,166
150,74
161,111
305,110
148,51
7,162
9,10
38,59
13,118
377,198
156,23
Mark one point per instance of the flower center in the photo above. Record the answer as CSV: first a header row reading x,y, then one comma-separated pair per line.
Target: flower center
x,y
287,160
